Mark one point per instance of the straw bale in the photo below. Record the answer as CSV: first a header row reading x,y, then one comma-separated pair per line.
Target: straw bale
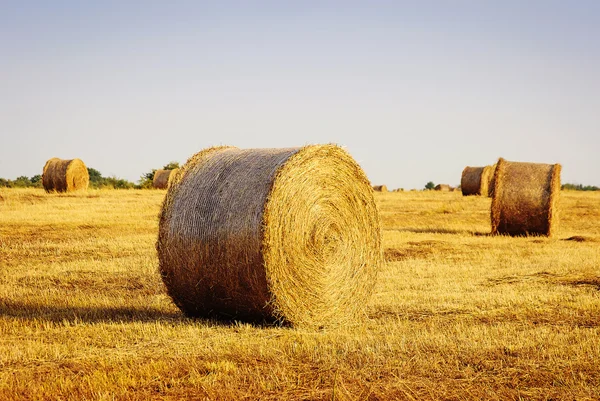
x,y
277,235
476,180
525,198
162,178
380,188
488,175
443,187
65,175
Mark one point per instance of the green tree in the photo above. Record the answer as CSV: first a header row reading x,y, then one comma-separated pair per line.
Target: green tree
x,y
171,166
145,180
580,187
116,183
36,181
95,177
430,185
4,183
22,182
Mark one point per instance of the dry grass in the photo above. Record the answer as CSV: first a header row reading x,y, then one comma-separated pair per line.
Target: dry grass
x,y
456,314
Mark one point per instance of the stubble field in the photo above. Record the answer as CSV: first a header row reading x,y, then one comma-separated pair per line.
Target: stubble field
x,y
456,314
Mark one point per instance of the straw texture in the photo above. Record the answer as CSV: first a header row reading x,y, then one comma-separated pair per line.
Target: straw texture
x,y
443,187
65,175
525,198
162,178
288,235
476,180
380,188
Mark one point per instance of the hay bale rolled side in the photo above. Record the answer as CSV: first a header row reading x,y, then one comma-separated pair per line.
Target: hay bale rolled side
x,y
65,175
443,188
288,235
162,178
380,188
476,180
525,198
470,181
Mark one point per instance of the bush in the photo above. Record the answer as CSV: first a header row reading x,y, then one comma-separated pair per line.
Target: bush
x,y
116,183
4,183
145,181
97,181
430,185
579,187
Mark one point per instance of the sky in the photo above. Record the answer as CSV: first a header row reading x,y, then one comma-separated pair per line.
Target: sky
x,y
413,90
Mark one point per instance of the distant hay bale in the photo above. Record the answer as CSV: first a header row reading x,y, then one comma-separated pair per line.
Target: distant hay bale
x,y
289,235
525,198
65,175
380,188
476,180
443,187
162,178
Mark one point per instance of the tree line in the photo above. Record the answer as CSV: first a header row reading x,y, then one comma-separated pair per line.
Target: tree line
x,y
97,180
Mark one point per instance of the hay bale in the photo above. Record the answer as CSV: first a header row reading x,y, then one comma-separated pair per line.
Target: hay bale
x,y
476,180
162,178
65,175
443,188
289,235
489,176
380,188
525,198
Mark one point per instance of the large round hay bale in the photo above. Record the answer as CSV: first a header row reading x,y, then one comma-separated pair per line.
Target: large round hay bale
x,y
489,174
443,188
65,175
525,198
162,178
288,235
380,188
476,180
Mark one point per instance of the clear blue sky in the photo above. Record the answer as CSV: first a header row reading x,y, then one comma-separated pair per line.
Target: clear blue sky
x,y
415,91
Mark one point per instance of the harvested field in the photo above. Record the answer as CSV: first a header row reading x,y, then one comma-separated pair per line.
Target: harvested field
x,y
455,314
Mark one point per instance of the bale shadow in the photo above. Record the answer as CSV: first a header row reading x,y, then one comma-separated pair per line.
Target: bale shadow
x,y
117,314
414,315
87,314
593,282
418,230
580,238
